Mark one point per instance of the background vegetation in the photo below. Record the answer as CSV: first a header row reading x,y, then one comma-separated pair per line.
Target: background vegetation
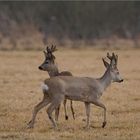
x,y
67,21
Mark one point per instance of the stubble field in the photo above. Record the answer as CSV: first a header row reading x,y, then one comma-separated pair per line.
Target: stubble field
x,y
20,91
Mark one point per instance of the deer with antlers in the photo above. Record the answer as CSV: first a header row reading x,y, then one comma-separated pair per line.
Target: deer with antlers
x,y
84,89
50,66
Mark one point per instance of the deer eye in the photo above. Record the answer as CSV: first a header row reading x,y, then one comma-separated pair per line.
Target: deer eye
x,y
46,62
117,72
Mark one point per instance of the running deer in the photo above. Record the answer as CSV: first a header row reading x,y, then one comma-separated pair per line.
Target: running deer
x,y
50,66
84,89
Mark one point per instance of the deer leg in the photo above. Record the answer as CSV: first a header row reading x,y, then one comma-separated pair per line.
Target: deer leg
x,y
49,111
38,107
54,104
65,109
87,106
57,113
72,110
98,103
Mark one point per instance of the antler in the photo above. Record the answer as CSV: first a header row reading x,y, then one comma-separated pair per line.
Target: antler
x,y
49,52
113,57
48,49
109,56
51,49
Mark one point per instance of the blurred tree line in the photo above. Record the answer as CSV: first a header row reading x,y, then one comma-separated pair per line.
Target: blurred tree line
x,y
79,20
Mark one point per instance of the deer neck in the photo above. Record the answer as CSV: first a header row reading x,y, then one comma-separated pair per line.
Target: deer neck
x,y
53,71
106,79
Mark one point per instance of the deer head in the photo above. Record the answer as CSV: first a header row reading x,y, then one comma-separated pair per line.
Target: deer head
x,y
49,58
112,67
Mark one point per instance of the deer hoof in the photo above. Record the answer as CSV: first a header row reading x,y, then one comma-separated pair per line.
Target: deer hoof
x,y
30,125
73,117
104,124
66,117
56,128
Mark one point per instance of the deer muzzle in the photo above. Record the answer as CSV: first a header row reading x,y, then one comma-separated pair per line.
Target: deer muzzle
x,y
40,68
121,81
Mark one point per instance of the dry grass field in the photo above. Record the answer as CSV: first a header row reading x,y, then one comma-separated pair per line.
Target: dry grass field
x,y
20,91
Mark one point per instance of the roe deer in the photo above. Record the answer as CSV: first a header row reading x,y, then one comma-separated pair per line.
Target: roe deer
x,y
84,89
52,69
50,66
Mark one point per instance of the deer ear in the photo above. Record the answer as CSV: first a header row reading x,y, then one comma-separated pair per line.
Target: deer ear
x,y
45,53
105,63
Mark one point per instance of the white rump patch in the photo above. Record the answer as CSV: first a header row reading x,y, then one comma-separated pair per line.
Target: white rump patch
x,y
44,87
